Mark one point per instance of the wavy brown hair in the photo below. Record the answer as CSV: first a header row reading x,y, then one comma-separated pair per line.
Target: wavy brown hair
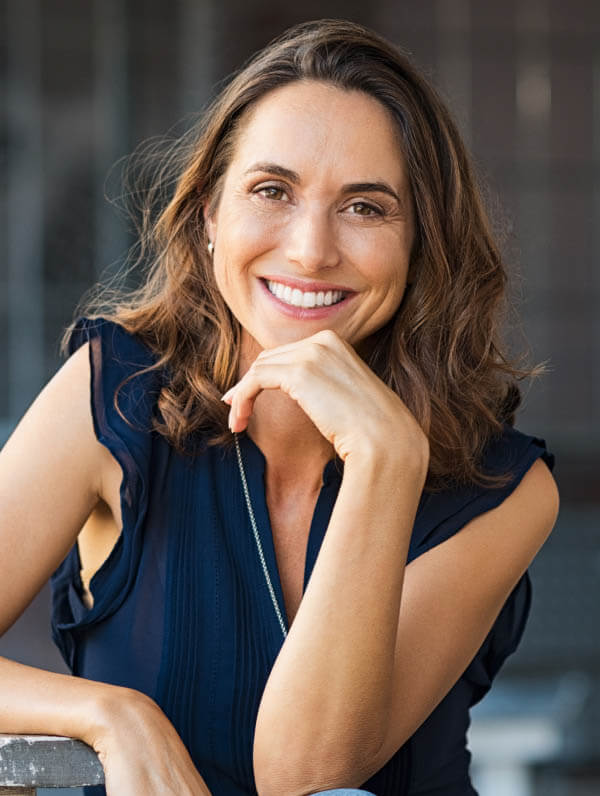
x,y
441,352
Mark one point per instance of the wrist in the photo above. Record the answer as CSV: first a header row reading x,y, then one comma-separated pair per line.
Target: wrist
x,y
407,460
108,709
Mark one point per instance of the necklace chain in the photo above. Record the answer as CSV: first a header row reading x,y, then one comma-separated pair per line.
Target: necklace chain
x,y
257,536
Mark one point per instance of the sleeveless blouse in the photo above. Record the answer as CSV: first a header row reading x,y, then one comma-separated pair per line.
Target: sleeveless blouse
x,y
181,608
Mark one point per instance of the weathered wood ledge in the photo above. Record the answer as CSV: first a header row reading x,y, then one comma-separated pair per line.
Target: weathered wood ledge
x,y
28,762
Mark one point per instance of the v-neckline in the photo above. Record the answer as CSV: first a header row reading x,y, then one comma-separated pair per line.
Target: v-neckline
x,y
255,468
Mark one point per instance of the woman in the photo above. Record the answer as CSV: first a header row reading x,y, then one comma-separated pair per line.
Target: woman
x,y
305,585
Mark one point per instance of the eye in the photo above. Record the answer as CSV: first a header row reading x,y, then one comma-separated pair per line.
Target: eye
x,y
274,192
365,209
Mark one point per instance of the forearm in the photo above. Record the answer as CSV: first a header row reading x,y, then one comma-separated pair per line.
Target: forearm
x,y
138,746
325,705
40,702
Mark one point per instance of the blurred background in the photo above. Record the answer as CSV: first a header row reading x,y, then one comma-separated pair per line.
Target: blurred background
x,y
83,83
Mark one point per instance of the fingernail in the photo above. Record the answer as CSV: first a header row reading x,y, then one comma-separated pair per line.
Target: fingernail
x,y
226,397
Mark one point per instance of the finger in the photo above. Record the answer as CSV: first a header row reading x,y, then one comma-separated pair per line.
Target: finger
x,y
228,396
326,338
261,376
297,374
244,394
279,354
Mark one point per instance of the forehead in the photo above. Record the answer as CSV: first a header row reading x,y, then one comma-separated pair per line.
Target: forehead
x,y
310,125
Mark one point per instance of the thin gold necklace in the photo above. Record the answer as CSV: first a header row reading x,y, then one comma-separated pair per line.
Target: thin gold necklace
x,y
257,536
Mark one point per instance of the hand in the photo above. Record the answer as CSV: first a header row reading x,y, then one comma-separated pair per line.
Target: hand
x,y
352,408
140,750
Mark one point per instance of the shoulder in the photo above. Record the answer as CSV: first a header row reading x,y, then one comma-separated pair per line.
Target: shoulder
x,y
125,383
117,343
529,486
123,386
531,489
513,529
538,491
57,430
513,451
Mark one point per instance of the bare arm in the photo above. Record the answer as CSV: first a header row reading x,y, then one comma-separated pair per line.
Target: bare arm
x,y
367,660
327,700
376,644
53,471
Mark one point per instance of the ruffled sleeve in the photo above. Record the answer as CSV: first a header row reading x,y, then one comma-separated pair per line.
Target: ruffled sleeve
x,y
441,515
116,358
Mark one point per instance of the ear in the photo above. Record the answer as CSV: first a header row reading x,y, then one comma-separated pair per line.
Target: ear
x,y
210,223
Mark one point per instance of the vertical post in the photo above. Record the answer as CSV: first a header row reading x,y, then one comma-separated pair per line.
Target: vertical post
x,y
595,375
25,206
197,55
111,129
533,98
453,56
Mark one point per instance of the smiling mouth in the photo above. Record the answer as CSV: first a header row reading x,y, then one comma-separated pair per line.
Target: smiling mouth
x,y
308,300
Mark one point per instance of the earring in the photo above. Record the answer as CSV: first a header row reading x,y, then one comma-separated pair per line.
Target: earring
x,y
210,247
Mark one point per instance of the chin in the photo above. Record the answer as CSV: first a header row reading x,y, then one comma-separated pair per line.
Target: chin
x,y
284,338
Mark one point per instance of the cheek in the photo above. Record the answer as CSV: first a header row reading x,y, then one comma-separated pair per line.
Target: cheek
x,y
247,234
241,241
383,267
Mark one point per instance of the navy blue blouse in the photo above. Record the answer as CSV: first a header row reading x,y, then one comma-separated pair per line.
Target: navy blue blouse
x,y
181,607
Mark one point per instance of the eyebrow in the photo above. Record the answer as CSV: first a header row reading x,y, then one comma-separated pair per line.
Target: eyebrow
x,y
352,187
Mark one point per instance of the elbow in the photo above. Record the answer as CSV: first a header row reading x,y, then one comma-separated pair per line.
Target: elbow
x,y
289,782
275,774
297,774
297,755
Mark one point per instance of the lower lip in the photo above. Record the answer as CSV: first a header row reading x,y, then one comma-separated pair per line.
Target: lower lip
x,y
306,313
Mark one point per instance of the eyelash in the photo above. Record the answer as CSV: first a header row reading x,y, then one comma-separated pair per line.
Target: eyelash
x,y
269,188
377,211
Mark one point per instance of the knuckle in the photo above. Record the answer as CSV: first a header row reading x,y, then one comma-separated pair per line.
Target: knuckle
x,y
304,368
311,353
327,337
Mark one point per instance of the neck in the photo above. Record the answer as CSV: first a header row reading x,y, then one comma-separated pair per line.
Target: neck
x,y
295,450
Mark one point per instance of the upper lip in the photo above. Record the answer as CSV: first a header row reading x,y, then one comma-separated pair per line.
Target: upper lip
x,y
306,286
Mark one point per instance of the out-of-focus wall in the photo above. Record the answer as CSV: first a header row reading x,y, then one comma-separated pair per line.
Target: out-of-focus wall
x,y
84,83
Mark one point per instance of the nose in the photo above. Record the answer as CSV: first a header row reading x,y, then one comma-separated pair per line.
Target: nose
x,y
310,240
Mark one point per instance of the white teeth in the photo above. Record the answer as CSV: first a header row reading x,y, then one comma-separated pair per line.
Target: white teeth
x,y
307,300
279,288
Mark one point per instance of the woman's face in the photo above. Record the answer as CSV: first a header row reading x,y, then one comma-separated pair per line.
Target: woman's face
x,y
314,226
